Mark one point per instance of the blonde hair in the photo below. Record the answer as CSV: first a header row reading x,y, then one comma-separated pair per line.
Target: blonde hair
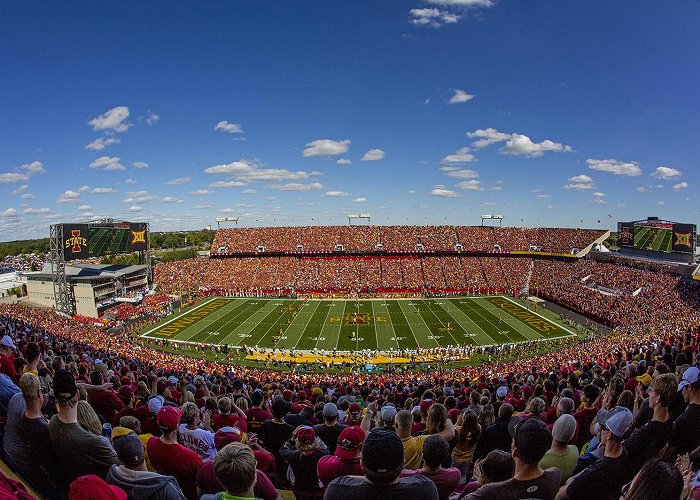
x,y
234,466
437,416
189,412
30,385
242,403
87,418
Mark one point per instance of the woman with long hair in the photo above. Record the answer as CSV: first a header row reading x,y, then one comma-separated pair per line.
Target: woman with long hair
x,y
468,431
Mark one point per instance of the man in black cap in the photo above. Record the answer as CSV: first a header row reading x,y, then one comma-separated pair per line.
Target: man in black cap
x,y
79,451
531,440
382,462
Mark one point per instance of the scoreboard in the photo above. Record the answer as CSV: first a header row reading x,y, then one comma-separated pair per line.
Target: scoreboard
x,y
654,235
81,241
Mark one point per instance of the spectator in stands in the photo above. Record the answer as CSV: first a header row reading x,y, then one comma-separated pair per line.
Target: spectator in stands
x,y
382,461
685,436
605,477
531,440
33,354
647,441
234,467
468,431
330,429
436,451
105,403
276,432
562,455
90,487
79,451
496,467
657,480
224,417
7,358
44,465
345,460
88,420
15,442
134,478
302,452
496,436
257,415
413,446
196,434
585,416
169,457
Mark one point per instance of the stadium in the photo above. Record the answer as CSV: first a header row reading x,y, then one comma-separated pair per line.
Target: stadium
x,y
429,249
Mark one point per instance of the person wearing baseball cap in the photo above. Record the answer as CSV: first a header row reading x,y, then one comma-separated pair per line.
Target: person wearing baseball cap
x,y
330,429
302,452
604,479
133,476
168,457
346,459
685,436
91,487
382,462
562,455
354,416
79,451
7,359
436,451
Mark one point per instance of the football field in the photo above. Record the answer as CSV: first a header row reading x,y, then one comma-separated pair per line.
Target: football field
x,y
653,238
354,325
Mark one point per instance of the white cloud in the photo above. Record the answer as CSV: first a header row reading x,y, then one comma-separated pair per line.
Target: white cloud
x,y
522,145
20,189
152,118
140,164
107,163
326,147
35,167
543,196
130,181
27,196
227,184
83,189
9,213
580,186
459,173
462,155
201,192
472,185
113,120
69,197
170,199
360,200
373,155
465,3
661,203
231,128
139,197
179,181
336,194
460,96
297,186
36,211
227,210
84,208
643,189
101,143
100,190
9,177
443,192
135,208
679,186
203,206
666,173
598,194
629,169
250,191
516,144
433,18
580,178
249,171
344,161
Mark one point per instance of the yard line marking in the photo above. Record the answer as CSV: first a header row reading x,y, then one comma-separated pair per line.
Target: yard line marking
x,y
209,319
426,326
543,317
469,299
161,325
318,335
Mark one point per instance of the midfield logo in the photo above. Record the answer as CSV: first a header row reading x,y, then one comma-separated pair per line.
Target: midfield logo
x,y
357,319
76,242
138,237
682,240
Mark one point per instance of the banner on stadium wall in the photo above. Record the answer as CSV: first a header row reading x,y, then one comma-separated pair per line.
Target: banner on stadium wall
x,y
684,238
75,241
625,234
138,236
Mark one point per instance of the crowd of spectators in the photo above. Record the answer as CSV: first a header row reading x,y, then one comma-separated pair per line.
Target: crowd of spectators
x,y
366,239
616,415
25,262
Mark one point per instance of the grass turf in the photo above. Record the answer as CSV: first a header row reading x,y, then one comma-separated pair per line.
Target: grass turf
x,y
655,239
377,324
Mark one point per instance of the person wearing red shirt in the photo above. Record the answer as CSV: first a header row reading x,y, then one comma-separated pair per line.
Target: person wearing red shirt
x,y
105,403
585,416
7,359
346,459
169,457
225,418
257,414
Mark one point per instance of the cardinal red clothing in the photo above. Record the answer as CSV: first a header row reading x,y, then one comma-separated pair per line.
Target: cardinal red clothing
x,y
219,420
105,403
7,366
208,483
177,461
330,467
445,480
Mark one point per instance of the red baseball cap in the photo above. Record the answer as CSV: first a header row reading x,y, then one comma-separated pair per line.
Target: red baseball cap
x,y
350,442
306,434
454,415
355,409
425,405
91,487
126,392
302,394
169,417
227,435
287,394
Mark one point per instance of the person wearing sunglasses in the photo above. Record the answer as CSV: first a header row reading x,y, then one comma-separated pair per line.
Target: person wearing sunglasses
x,y
603,479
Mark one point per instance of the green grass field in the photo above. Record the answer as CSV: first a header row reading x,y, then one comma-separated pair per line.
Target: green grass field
x,y
379,324
653,238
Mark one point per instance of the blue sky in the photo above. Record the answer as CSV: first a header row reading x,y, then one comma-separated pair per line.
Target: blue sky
x,y
295,113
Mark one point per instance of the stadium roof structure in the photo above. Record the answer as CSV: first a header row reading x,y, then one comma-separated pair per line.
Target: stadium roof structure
x,y
88,272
